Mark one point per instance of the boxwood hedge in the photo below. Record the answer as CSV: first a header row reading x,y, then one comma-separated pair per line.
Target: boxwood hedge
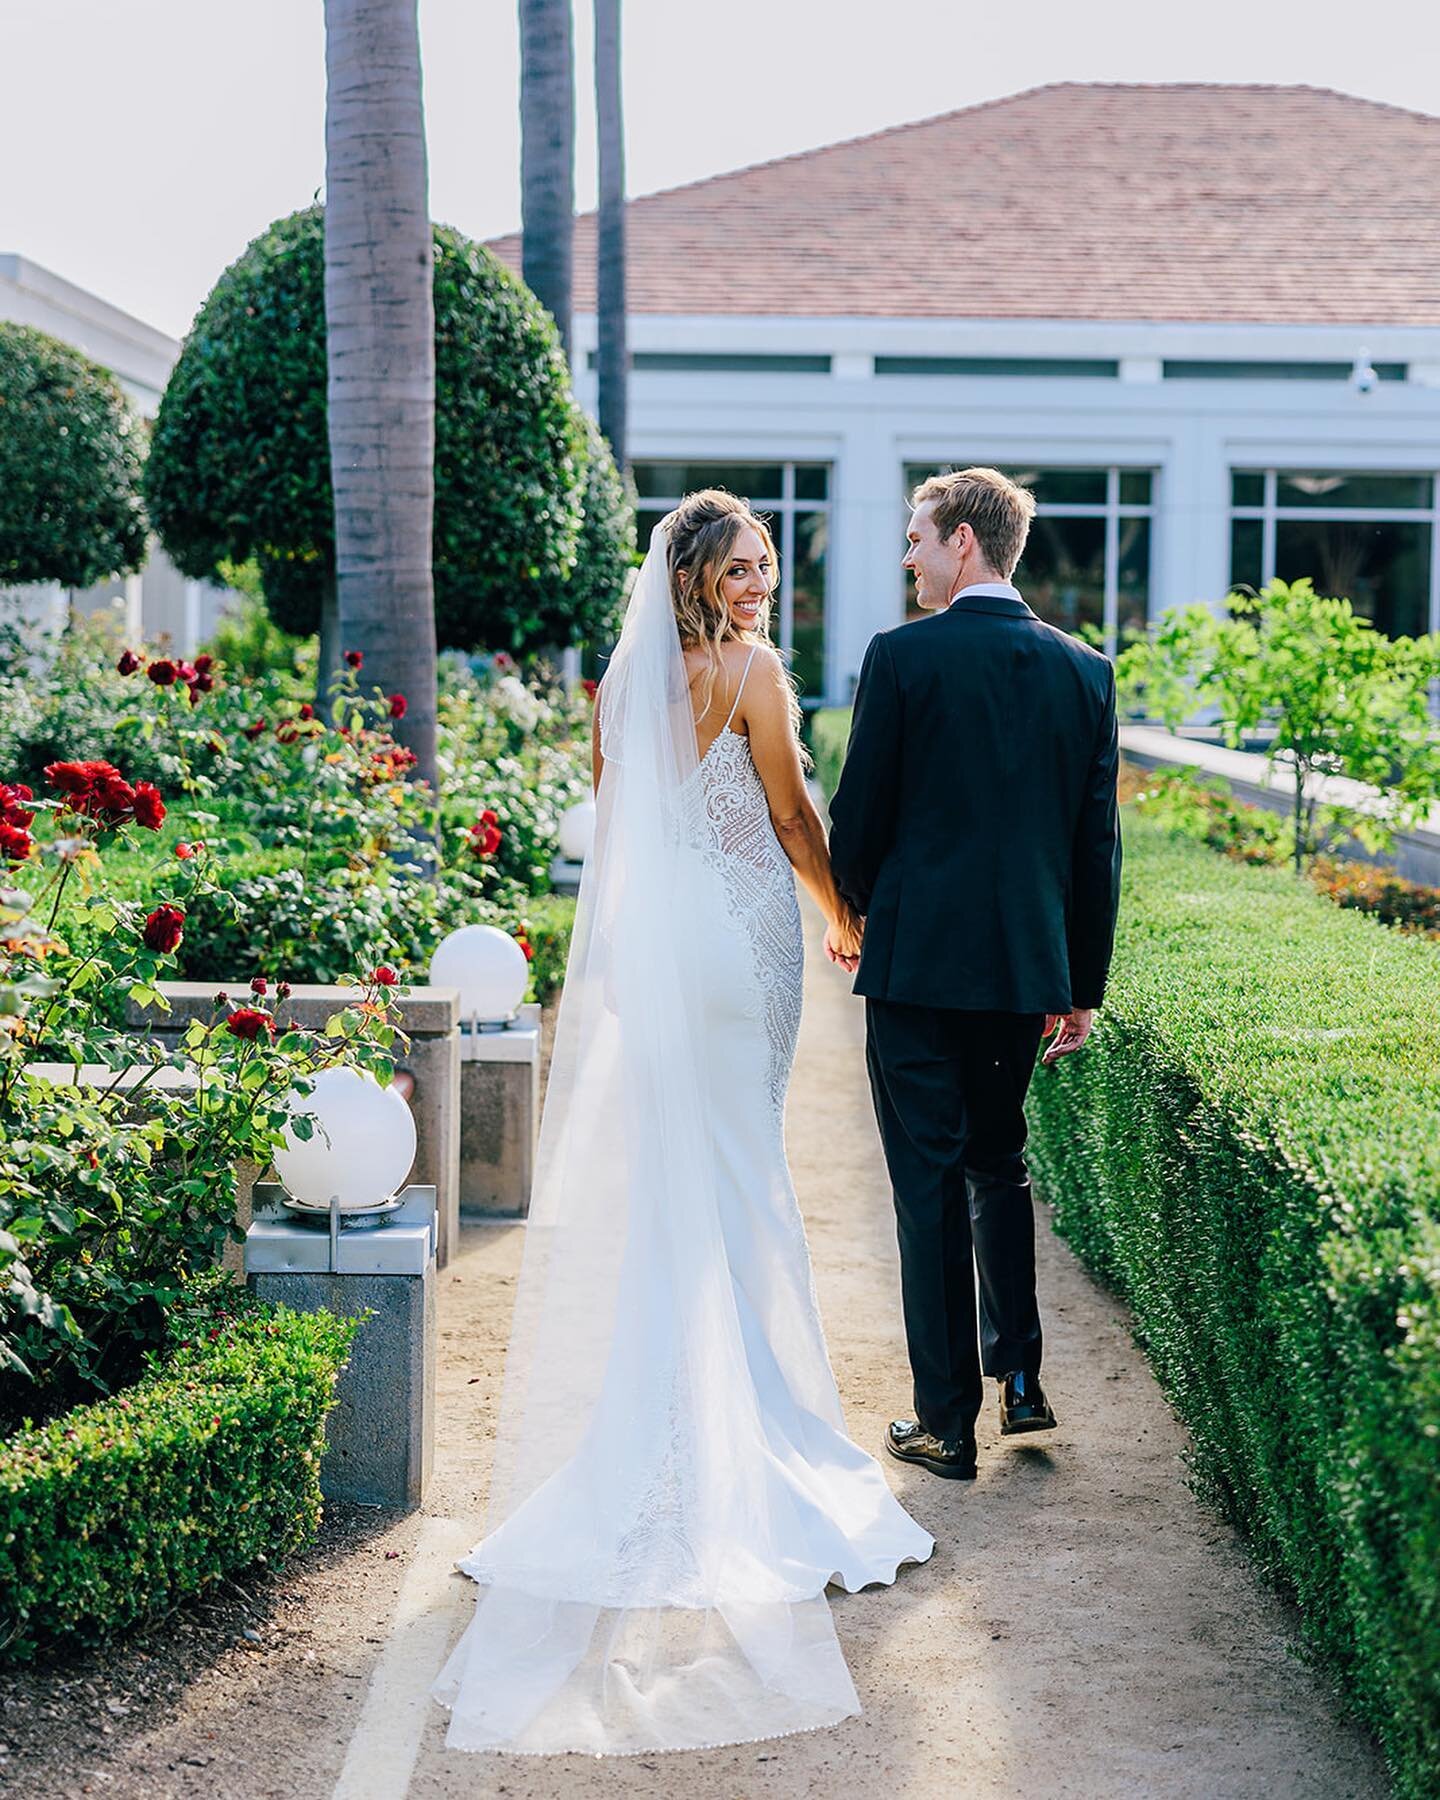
x,y
115,1510
1249,1150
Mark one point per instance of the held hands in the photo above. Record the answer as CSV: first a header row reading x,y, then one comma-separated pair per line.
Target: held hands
x,y
1074,1028
842,941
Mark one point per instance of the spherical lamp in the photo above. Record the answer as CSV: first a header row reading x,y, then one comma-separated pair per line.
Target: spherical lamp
x,y
361,1147
489,969
577,831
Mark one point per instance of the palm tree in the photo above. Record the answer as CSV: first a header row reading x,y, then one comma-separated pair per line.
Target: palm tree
x,y
547,155
380,332
614,355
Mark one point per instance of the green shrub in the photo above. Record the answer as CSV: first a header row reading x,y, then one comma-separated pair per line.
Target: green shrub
x,y
829,734
549,920
116,1510
1248,1151
70,449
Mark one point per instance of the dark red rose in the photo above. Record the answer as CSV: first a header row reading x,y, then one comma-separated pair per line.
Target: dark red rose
x,y
163,672
253,730
384,976
259,985
15,842
287,731
164,929
204,664
72,777
12,804
129,662
282,990
525,945
149,807
111,801
398,706
354,658
202,683
307,711
186,671
249,1022
96,789
591,688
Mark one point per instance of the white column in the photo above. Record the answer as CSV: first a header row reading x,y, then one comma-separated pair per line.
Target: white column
x,y
867,527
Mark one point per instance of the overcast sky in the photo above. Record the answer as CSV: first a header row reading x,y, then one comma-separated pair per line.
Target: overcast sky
x,y
144,142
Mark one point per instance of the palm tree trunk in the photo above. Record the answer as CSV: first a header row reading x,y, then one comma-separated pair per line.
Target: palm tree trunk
x,y
547,155
380,326
614,357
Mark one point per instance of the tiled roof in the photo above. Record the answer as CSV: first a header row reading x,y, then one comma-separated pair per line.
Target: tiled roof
x,y
1290,205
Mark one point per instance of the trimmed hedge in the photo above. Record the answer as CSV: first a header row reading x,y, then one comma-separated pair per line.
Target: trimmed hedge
x,y
1249,1150
829,734
210,1462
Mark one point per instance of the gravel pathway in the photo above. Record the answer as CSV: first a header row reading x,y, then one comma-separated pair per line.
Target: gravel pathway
x,y
1084,1628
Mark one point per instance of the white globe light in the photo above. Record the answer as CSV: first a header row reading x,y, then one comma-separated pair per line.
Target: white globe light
x,y
362,1147
577,831
489,969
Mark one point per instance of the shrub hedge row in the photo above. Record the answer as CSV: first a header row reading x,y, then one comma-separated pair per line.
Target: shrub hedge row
x,y
829,734
115,1510
1248,1150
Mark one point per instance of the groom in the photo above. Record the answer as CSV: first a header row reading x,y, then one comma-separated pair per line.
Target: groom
x,y
975,828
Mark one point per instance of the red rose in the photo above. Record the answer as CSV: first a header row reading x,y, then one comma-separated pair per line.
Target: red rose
x,y
259,985
72,777
202,683
287,731
254,730
384,976
12,807
485,837
489,818
163,672
149,807
283,990
354,658
185,851
398,705
204,664
525,945
307,711
164,929
15,842
591,688
129,662
249,1022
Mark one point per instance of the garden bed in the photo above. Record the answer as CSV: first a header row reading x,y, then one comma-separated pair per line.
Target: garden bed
x,y
1248,1150
210,1462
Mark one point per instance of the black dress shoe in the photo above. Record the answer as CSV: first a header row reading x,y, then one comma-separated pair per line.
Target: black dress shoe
x,y
908,1441
1023,1406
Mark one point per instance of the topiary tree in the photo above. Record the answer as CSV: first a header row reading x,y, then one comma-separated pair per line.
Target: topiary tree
x,y
70,455
239,466
588,607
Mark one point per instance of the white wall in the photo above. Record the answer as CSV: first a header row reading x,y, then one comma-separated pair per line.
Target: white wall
x,y
1190,432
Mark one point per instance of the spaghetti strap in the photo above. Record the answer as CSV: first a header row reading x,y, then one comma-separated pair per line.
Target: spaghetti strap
x,y
741,689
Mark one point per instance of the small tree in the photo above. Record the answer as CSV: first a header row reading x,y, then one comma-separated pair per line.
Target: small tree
x,y
588,607
240,461
1340,698
70,455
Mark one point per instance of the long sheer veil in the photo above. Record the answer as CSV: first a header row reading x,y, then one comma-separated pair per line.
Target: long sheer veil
x,y
636,1591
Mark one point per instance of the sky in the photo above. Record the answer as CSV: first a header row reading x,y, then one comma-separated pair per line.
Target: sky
x,y
145,142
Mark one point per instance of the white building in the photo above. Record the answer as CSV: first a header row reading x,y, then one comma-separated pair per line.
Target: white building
x,y
159,602
1203,322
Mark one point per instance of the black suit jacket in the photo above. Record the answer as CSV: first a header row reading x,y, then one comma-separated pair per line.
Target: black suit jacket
x,y
975,823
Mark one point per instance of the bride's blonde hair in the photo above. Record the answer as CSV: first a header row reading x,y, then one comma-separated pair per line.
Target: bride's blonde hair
x,y
702,531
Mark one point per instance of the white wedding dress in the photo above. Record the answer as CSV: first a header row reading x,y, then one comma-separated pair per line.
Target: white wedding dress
x,y
674,1485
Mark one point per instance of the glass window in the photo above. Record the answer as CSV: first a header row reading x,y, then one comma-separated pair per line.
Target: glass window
x,y
1331,490
1062,487
807,569
1062,573
1382,569
668,481
1247,488
1247,541
1134,580
1135,487
812,481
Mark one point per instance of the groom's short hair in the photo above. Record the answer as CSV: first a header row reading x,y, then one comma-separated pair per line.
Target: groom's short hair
x,y
995,509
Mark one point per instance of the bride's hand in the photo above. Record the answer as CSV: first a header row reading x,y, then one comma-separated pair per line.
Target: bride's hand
x,y
843,939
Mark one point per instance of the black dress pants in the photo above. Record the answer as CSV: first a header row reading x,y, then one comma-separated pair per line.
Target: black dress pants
x,y
949,1091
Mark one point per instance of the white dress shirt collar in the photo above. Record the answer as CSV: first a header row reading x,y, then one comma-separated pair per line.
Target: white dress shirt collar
x,y
1000,590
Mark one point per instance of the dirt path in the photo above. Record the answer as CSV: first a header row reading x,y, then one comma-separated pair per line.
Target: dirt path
x,y
1084,1629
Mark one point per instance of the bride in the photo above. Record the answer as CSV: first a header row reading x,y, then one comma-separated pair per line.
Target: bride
x,y
673,1485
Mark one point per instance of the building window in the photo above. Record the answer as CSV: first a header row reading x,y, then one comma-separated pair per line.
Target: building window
x,y
1367,537
794,501
1086,566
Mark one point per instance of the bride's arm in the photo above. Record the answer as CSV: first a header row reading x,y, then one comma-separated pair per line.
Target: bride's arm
x,y
597,761
765,711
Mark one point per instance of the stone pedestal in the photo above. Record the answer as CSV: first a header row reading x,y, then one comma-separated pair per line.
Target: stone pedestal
x,y
499,1117
380,1437
429,1018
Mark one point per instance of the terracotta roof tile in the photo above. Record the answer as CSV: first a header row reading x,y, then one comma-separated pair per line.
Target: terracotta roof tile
x,y
1290,205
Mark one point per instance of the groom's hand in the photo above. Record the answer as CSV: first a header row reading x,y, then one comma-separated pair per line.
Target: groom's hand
x,y
841,950
1074,1028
